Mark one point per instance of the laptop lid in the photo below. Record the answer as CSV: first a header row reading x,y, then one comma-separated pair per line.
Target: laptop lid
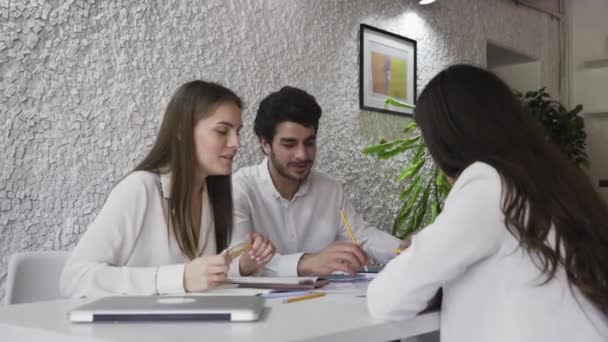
x,y
170,308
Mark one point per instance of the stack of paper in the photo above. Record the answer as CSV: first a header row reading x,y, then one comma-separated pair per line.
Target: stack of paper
x,y
279,283
231,290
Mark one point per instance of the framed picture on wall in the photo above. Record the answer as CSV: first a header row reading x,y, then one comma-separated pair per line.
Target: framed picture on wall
x,y
387,68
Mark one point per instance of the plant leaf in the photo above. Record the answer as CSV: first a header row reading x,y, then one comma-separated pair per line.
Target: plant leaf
x,y
383,145
405,193
416,164
410,127
399,148
394,102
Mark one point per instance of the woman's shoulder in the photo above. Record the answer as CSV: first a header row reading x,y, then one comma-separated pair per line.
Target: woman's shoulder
x,y
480,173
481,170
480,181
138,182
132,195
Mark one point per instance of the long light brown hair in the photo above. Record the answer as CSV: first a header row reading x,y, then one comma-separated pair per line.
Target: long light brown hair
x,y
467,114
174,150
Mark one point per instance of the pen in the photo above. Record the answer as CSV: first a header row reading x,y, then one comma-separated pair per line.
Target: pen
x,y
305,297
347,226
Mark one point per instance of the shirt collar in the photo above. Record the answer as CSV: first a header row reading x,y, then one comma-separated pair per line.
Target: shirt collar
x,y
264,172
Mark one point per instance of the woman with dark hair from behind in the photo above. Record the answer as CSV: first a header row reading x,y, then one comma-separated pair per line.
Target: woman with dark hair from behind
x,y
521,246
163,225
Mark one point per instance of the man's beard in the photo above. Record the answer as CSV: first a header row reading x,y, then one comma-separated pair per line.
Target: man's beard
x,y
282,169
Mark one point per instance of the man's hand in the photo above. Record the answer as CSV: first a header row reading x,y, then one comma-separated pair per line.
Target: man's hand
x,y
206,272
261,252
339,256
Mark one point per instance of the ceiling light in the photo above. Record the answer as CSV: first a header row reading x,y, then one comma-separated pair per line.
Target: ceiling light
x,y
426,2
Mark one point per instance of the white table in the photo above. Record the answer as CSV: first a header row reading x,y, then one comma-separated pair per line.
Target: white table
x,y
340,316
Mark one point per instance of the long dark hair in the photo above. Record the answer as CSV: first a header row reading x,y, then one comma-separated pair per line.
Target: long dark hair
x,y
467,114
174,150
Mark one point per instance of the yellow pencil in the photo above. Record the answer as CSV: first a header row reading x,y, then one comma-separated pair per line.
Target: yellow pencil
x,y
304,297
238,250
347,226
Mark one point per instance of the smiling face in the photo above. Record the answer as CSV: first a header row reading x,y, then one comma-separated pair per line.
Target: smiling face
x,y
292,151
216,140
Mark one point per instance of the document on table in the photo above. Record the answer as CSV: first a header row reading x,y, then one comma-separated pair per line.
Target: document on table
x,y
229,290
279,283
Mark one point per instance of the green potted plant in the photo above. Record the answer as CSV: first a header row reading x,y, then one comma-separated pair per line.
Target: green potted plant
x,y
565,127
422,198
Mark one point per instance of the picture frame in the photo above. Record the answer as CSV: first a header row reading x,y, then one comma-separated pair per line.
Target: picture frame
x,y
387,68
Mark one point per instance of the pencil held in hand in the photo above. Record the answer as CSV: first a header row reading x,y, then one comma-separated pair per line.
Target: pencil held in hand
x,y
238,250
347,226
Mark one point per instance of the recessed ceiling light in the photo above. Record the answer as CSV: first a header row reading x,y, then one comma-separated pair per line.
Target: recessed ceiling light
x,y
426,2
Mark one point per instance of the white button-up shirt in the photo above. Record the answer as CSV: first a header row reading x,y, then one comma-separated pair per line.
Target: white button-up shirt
x,y
308,223
492,290
129,249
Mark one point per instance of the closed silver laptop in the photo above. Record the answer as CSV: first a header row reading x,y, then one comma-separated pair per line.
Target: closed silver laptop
x,y
170,308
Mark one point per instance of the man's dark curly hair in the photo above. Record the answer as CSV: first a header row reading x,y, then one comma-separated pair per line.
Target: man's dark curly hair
x,y
287,104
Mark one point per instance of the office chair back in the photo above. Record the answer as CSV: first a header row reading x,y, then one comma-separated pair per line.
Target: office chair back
x,y
34,276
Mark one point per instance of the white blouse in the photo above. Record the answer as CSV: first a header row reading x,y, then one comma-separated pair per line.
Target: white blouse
x,y
491,288
128,249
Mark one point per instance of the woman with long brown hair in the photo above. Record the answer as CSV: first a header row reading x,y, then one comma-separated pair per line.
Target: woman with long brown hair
x,y
521,246
163,225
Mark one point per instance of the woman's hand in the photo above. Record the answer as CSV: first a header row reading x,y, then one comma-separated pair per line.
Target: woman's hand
x,y
206,272
405,243
261,252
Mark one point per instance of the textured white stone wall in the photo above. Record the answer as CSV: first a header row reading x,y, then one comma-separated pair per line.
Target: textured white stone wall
x,y
83,85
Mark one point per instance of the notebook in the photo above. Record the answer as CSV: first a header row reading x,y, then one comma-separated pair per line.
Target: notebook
x,y
170,308
279,283
347,278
